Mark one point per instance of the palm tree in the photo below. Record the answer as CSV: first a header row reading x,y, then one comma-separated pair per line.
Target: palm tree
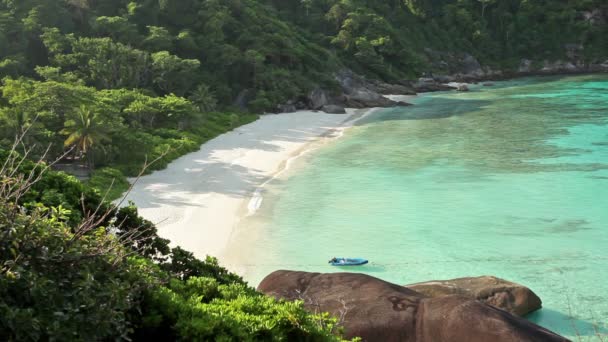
x,y
204,98
84,132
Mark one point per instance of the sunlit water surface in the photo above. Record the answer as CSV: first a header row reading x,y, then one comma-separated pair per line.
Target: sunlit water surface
x,y
510,180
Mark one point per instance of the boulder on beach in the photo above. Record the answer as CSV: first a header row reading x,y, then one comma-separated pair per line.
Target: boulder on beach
x,y
514,298
317,98
462,87
376,310
333,109
425,85
358,92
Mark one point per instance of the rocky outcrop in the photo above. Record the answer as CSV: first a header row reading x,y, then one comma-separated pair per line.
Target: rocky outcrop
x,y
404,87
462,87
333,109
425,85
242,99
376,310
471,66
360,93
317,99
514,298
288,107
595,17
558,66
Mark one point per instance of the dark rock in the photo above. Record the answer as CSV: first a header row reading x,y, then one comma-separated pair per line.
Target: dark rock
x,y
392,89
595,17
425,85
376,310
359,93
301,105
514,298
559,67
488,84
367,99
574,51
242,99
471,66
318,98
444,79
286,108
525,66
333,109
462,87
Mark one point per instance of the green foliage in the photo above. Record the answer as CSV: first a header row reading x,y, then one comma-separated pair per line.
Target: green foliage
x,y
193,307
144,67
84,280
108,182
56,286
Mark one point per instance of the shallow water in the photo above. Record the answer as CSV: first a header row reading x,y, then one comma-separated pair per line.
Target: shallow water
x,y
510,180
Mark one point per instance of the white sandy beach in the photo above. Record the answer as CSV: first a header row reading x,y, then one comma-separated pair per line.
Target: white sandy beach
x,y
200,198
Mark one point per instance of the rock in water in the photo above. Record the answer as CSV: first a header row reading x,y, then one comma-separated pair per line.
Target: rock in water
x,y
376,310
514,298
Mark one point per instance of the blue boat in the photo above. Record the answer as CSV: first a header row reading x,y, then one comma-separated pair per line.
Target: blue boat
x,y
347,261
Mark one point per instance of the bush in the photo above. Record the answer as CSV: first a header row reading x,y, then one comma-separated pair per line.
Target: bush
x,y
109,182
96,279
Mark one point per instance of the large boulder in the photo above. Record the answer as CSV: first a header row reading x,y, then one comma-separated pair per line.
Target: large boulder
x,y
514,298
525,66
470,65
288,107
462,87
333,109
359,92
402,88
242,99
425,85
364,98
376,310
317,98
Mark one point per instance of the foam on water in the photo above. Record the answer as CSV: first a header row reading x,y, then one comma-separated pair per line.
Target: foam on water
x,y
510,181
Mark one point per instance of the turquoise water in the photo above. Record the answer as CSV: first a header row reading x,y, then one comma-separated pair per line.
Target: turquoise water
x,y
510,181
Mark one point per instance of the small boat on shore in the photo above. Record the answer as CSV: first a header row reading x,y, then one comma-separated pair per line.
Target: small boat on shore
x,y
347,261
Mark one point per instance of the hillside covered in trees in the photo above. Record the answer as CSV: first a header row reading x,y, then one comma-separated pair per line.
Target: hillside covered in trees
x,y
83,73
112,84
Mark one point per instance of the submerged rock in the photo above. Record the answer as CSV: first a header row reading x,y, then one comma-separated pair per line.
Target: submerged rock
x,y
514,298
376,310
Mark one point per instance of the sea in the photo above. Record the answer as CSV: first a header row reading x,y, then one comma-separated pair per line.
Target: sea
x,y
508,180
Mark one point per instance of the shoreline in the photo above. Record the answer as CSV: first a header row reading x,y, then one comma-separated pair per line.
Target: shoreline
x,y
355,115
200,198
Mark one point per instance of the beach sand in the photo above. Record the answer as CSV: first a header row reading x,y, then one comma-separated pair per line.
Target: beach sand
x,y
198,200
